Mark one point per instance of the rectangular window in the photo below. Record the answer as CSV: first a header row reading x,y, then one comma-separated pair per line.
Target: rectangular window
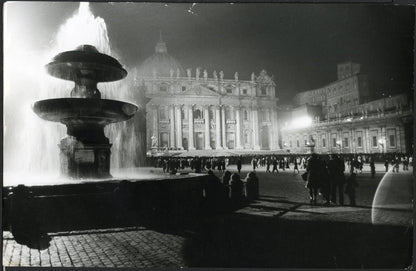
x,y
263,90
297,143
183,88
392,141
374,141
164,138
229,90
391,133
345,142
334,142
323,143
244,91
163,88
162,113
359,142
290,143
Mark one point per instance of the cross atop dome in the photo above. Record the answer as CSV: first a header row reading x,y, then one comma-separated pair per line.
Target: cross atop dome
x,y
161,45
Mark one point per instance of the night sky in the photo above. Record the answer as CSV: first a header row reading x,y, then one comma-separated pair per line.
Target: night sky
x,y
299,44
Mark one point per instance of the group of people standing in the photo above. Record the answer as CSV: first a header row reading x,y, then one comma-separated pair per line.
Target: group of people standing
x,y
327,177
231,190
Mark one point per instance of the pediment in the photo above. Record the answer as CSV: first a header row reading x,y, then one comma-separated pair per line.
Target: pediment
x,y
200,91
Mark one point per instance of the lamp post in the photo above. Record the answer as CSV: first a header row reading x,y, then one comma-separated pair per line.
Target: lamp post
x,y
311,146
339,144
286,146
381,141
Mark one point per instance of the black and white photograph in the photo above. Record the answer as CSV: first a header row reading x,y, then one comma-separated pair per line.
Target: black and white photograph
x,y
208,135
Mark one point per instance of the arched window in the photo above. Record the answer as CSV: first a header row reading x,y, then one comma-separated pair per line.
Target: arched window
x,y
198,114
263,90
245,137
163,88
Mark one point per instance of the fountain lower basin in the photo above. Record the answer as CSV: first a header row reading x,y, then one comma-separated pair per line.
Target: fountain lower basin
x,y
84,110
85,152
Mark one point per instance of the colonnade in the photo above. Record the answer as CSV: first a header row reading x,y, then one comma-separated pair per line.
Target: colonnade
x,y
219,126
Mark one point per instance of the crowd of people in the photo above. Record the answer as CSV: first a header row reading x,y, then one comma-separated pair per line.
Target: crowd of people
x,y
323,174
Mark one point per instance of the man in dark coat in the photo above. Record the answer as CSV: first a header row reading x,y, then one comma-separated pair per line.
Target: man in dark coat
x,y
239,165
314,169
336,168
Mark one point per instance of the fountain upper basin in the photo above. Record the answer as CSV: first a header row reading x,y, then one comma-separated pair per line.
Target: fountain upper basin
x,y
84,110
87,62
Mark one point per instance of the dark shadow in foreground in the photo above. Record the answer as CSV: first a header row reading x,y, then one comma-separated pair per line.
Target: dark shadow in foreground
x,y
214,235
241,240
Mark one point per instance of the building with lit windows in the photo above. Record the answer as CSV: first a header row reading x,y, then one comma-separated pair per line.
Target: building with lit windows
x,y
339,118
190,110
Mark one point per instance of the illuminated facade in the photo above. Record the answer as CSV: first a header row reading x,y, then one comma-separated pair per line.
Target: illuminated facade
x,y
338,118
188,111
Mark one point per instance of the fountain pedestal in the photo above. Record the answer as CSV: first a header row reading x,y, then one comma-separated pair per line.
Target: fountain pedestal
x,y
79,160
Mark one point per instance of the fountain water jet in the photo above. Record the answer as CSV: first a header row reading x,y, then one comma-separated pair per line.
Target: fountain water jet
x,y
31,150
85,152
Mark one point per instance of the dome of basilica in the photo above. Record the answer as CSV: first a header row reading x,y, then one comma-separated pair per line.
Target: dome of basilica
x,y
160,64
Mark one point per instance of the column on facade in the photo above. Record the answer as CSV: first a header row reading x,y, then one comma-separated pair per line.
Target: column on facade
x,y
353,143
329,141
206,120
178,109
366,141
341,139
238,127
217,128
399,138
155,125
383,137
275,134
172,126
191,145
223,127
255,125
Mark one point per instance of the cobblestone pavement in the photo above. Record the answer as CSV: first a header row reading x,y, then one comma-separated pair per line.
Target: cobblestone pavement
x,y
283,197
101,248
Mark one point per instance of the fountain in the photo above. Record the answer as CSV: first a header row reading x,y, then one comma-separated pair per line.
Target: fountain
x,y
85,152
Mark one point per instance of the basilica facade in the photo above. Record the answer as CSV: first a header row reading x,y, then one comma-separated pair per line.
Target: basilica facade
x,y
191,110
